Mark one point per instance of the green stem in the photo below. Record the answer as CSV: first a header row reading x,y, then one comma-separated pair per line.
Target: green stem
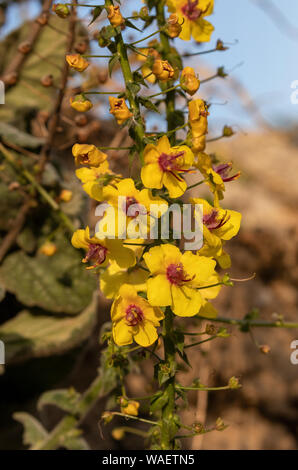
x,y
138,131
148,421
205,389
166,50
168,430
201,342
46,196
164,91
144,39
254,323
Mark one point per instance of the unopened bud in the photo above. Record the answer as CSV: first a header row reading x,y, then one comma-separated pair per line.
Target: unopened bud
x,y
81,120
173,27
265,349
65,195
107,417
81,47
25,47
42,19
220,45
198,428
47,80
210,330
234,383
227,131
118,434
61,10
220,425
48,249
144,13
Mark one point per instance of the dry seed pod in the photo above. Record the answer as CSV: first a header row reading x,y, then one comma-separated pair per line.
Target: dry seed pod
x,y
81,120
10,78
81,47
42,19
47,80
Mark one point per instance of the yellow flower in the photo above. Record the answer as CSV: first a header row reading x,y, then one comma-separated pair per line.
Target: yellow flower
x,y
65,195
134,318
216,175
80,103
164,165
189,81
173,26
85,154
114,16
77,62
130,407
198,113
176,278
135,203
163,70
219,225
191,15
48,249
114,277
95,178
119,109
102,251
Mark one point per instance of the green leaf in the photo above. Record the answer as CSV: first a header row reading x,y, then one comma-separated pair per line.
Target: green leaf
x,y
148,104
58,283
134,88
34,432
29,95
131,25
65,399
75,443
39,335
159,402
112,62
96,13
18,137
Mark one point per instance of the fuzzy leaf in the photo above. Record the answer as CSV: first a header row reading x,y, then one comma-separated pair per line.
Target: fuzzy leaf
x,y
96,13
65,399
34,432
18,137
31,334
58,283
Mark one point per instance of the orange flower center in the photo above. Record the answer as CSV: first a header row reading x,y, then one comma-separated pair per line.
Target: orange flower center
x,y
134,315
176,274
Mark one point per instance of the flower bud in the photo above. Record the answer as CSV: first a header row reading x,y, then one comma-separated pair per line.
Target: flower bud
x,y
25,47
189,81
107,417
129,407
81,120
220,425
265,349
210,330
220,45
47,80
144,13
234,383
43,19
118,434
173,27
61,10
80,103
81,47
77,62
119,109
48,249
65,195
163,70
227,131
115,17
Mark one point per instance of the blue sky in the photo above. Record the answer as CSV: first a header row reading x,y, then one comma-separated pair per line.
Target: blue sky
x,y
264,59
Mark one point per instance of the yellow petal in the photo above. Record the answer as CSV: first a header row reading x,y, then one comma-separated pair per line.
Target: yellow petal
x,y
175,187
79,239
151,175
163,145
186,301
158,291
122,333
146,334
202,30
